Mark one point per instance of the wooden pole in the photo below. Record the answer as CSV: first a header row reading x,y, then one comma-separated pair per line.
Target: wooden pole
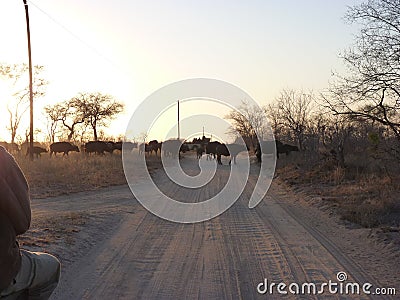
x,y
179,128
30,82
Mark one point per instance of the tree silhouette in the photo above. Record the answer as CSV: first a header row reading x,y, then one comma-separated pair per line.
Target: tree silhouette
x,y
98,109
371,89
19,104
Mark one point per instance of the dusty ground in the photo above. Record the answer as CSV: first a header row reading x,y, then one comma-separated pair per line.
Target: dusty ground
x,y
367,200
111,247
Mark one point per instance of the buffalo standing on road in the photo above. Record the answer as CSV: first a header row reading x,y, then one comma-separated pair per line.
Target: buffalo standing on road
x,y
153,146
211,149
231,150
173,148
199,152
62,147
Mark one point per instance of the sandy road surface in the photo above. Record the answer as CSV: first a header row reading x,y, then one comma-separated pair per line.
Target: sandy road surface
x,y
136,255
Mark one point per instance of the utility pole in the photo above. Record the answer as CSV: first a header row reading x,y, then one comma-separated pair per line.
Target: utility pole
x,y
179,128
30,83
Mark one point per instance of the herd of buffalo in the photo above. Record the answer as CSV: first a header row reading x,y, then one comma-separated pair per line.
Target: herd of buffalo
x,y
213,150
98,147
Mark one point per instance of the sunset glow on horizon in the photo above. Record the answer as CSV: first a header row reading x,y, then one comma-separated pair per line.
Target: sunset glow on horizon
x,y
129,49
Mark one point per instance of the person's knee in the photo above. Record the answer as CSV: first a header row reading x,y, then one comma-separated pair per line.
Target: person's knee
x,y
51,266
47,267
46,274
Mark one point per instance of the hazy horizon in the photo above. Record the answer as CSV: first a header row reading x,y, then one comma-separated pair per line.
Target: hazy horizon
x,y
129,49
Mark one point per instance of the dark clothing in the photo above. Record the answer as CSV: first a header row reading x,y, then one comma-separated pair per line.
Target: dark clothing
x,y
15,216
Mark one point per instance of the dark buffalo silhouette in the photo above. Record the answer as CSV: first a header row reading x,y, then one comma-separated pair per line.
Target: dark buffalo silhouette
x,y
150,147
111,144
184,148
115,145
280,148
211,149
98,147
199,152
118,146
62,147
36,151
173,148
153,146
25,145
285,148
231,150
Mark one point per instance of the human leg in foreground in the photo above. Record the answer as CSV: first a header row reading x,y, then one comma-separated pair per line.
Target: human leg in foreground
x,y
23,274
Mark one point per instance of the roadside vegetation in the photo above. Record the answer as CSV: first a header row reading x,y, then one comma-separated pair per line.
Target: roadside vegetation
x,y
349,134
78,172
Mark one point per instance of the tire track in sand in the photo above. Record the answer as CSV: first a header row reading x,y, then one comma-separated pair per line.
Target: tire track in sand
x,y
223,258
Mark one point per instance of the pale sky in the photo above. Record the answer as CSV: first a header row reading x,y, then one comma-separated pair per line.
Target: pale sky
x,y
130,48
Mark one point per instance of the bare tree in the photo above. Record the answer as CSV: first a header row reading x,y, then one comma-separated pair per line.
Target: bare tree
x,y
337,130
20,103
250,122
69,113
294,110
76,114
273,114
53,115
371,89
15,115
98,109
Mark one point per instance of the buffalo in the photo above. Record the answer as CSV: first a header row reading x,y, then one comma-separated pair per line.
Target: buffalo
x,y
199,152
62,147
285,148
211,149
231,150
118,146
25,145
153,146
173,148
98,147
115,145
280,148
36,151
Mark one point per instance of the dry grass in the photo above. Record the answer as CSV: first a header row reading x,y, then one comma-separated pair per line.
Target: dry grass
x,y
359,194
63,175
77,172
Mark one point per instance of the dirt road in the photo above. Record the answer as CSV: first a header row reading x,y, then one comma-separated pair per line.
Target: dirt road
x,y
131,254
